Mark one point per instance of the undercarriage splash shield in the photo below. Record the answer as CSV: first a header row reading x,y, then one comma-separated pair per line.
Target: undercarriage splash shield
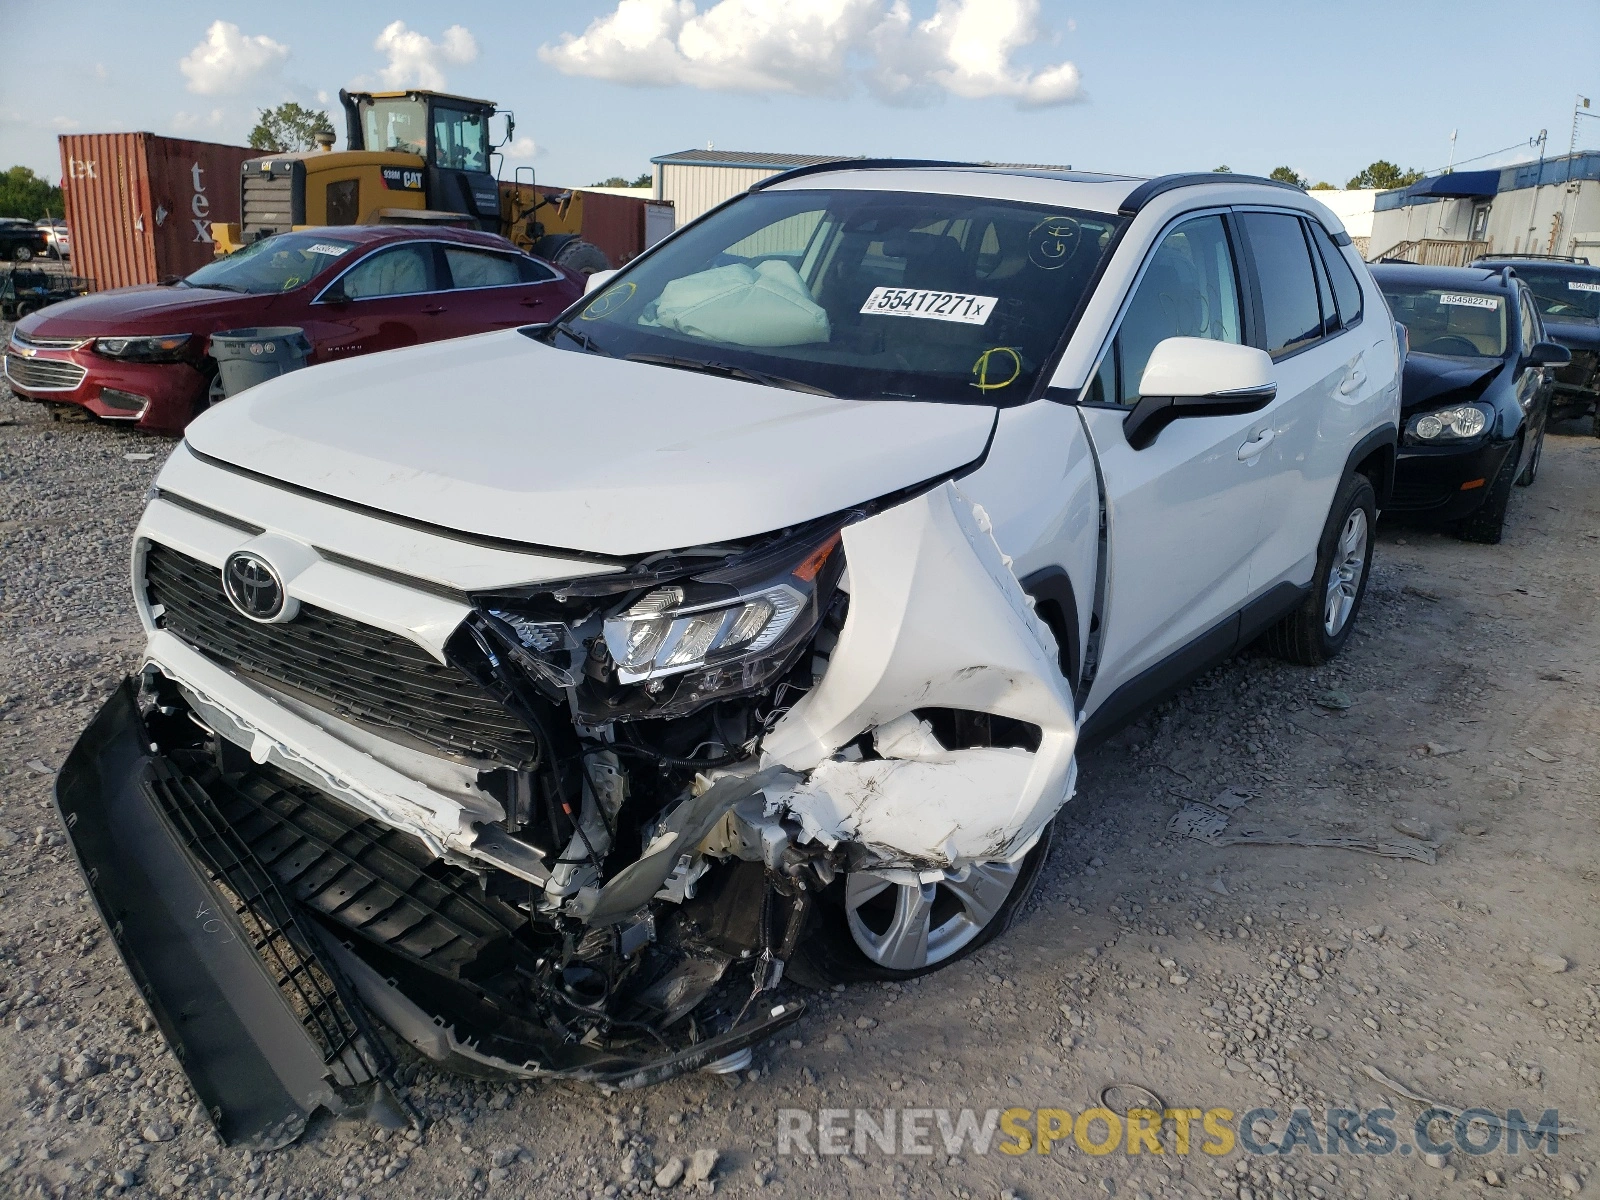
x,y
241,1029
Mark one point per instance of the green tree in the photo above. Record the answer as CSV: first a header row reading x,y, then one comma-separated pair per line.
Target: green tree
x,y
1322,185
644,180
1384,174
289,127
1290,176
1224,169
24,194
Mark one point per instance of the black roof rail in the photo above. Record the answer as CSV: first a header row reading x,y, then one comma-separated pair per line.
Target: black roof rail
x,y
1162,184
858,164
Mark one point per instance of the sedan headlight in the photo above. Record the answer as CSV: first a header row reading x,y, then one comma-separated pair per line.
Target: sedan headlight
x,y
1442,426
167,348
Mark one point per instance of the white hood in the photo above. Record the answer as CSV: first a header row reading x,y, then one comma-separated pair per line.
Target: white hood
x,y
502,436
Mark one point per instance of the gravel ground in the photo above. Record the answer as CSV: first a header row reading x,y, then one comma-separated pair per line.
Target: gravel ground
x,y
1464,711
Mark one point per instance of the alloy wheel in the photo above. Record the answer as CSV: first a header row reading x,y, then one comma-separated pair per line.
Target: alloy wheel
x,y
1345,573
904,924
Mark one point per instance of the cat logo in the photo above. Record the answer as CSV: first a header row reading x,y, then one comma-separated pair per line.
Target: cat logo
x,y
403,178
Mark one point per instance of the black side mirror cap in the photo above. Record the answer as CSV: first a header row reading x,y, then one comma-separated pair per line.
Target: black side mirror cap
x,y
1154,413
334,295
1548,354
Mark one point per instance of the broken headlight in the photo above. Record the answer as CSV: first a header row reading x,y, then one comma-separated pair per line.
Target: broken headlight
x,y
736,614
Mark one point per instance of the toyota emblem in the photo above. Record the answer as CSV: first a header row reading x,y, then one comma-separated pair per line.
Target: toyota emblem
x,y
253,586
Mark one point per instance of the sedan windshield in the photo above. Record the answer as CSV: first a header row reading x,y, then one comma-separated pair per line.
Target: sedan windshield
x,y
1564,295
1455,323
859,294
274,264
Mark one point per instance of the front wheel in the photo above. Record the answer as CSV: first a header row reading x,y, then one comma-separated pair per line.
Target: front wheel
x,y
1486,525
22,254
882,924
1531,471
1318,629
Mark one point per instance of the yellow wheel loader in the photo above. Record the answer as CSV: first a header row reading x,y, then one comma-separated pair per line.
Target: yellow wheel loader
x,y
413,157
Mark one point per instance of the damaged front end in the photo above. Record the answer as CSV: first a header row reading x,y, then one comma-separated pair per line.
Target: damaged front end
x,y
585,835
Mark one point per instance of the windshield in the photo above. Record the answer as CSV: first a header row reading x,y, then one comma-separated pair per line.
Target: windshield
x,y
274,264
395,125
861,294
1440,321
1564,295
460,139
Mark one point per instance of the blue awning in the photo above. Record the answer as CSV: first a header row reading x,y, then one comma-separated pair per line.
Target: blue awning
x,y
1459,185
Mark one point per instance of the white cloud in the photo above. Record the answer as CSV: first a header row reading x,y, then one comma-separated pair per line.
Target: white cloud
x,y
187,122
228,60
416,60
965,48
521,150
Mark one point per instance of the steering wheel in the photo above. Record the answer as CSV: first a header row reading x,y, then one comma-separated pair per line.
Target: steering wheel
x,y
1450,344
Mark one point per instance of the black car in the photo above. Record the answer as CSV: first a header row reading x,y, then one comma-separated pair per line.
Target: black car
x,y
1567,292
20,240
1475,395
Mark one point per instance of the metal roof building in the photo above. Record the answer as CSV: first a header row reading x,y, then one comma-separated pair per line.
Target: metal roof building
x,y
698,180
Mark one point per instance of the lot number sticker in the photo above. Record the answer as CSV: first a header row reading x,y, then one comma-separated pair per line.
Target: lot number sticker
x,y
1575,286
1469,301
935,306
327,248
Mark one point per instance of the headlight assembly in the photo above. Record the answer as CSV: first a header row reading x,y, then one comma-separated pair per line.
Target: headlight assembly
x,y
1444,426
719,618
167,348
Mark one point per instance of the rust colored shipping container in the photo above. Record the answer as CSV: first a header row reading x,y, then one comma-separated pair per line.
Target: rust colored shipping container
x,y
140,206
615,224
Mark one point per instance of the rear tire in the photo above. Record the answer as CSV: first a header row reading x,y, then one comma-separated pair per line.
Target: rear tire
x,y
1318,629
22,254
1487,524
831,953
581,257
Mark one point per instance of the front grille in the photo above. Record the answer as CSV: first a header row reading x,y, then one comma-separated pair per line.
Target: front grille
x,y
43,374
359,672
34,342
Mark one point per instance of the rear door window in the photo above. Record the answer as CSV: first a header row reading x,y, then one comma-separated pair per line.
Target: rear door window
x,y
1285,284
1346,289
471,268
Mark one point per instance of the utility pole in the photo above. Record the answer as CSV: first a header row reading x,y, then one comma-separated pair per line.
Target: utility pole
x,y
1452,165
1538,180
1580,108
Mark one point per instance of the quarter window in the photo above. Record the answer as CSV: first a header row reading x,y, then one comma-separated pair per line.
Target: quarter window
x,y
1346,290
1287,287
1189,289
400,271
1530,326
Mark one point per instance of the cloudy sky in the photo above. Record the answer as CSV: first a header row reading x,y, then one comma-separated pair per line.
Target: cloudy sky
x,y
600,86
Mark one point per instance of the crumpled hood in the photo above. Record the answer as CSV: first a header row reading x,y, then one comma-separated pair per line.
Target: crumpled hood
x,y
1429,376
501,436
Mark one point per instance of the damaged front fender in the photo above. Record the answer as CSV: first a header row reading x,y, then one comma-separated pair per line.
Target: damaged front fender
x,y
937,621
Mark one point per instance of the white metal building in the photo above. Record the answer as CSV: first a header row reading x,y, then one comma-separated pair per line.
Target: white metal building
x,y
1547,207
698,180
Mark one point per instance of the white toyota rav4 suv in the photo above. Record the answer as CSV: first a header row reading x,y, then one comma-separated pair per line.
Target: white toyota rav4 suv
x,y
546,694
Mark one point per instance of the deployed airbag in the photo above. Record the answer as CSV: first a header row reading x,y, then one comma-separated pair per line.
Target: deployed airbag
x,y
764,306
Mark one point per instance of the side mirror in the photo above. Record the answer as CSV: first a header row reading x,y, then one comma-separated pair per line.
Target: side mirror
x,y
1548,354
1197,377
597,281
335,295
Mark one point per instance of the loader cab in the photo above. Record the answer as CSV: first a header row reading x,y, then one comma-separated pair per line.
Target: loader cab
x,y
449,133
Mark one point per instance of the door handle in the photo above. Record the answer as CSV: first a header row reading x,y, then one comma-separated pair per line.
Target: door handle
x,y
534,302
1352,381
433,310
1254,448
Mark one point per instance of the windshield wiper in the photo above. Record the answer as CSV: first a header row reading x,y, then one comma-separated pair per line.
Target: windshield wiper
x,y
729,371
577,335
219,287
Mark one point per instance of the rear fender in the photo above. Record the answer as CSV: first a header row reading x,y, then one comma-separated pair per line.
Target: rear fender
x,y
937,619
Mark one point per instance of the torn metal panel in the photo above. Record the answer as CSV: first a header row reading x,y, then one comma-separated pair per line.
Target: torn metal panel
x,y
936,620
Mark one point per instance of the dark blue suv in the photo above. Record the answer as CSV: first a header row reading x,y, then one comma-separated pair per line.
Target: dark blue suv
x,y
1567,293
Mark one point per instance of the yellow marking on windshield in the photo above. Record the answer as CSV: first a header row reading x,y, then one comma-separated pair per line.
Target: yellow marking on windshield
x,y
981,369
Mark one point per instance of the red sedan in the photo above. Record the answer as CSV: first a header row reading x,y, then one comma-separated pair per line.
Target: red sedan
x,y
140,354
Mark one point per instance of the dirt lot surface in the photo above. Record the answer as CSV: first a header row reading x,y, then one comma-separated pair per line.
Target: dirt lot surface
x,y
1463,717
